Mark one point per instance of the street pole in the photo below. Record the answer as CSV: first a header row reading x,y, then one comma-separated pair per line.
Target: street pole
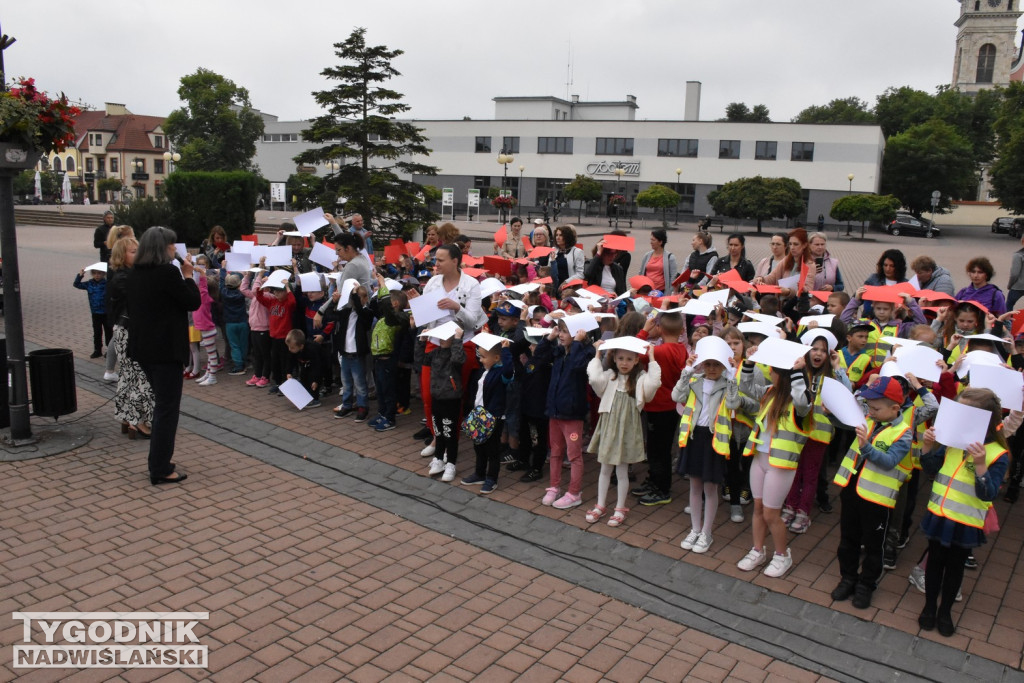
x,y
679,173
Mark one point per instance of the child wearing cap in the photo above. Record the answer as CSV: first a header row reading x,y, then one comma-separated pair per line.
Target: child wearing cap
x,y
871,475
102,330
236,320
508,323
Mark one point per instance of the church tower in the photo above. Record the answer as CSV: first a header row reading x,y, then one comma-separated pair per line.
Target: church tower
x,y
985,44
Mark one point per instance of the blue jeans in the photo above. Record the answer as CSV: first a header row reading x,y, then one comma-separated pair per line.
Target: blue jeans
x,y
1012,296
353,380
385,369
238,341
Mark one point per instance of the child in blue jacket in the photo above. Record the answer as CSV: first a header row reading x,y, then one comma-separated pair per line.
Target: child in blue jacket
x,y
102,331
488,388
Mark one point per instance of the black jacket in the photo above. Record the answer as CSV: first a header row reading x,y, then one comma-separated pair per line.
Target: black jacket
x,y
158,302
495,386
116,296
592,274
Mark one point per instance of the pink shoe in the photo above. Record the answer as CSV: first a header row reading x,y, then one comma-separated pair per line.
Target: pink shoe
x,y
253,381
549,496
567,501
262,382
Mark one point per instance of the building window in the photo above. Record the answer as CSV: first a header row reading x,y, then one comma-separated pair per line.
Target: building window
x,y
677,148
687,195
139,164
159,188
482,182
615,146
113,165
89,165
280,137
554,145
803,151
56,164
510,144
483,145
551,189
729,149
765,150
70,164
986,63
158,141
101,165
158,165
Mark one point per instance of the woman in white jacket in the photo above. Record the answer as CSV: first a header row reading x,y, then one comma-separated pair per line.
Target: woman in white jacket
x,y
568,260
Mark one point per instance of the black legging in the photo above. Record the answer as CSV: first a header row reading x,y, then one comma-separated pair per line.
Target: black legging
x,y
260,342
943,576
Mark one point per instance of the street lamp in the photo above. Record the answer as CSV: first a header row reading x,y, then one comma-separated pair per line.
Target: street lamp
x,y
619,172
504,159
679,172
520,197
848,193
169,159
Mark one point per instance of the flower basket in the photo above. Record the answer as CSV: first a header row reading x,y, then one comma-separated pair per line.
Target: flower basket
x,y
32,124
616,200
504,202
18,157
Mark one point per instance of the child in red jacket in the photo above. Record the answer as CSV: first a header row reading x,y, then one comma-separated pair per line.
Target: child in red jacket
x,y
280,303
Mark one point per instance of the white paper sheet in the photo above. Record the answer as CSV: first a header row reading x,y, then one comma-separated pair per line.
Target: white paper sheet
x,y
975,358
442,332
713,348
838,400
242,247
524,288
767,329
719,296
778,353
322,255
392,285
1007,383
99,265
919,361
580,321
763,318
538,332
914,282
958,425
306,223
278,256
824,320
789,282
296,393
487,341
491,285
181,250
310,282
696,307
586,304
258,252
627,344
276,279
346,291
424,307
237,262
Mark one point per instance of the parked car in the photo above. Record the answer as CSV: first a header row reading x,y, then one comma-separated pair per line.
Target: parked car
x,y
904,214
1003,224
909,225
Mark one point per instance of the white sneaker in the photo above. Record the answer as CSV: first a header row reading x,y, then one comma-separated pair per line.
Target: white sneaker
x,y
449,472
436,467
202,378
691,538
209,381
427,451
736,513
752,560
109,376
704,542
779,565
916,578
686,510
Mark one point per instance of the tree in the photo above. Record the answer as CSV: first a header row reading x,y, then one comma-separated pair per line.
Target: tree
x,y
899,109
758,199
865,207
217,128
740,113
658,197
49,183
582,189
306,190
927,157
1007,172
359,129
108,185
201,199
846,111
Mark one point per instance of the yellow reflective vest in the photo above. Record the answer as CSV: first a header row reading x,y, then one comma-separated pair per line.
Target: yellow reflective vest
x,y
721,429
821,428
785,445
953,495
875,484
856,368
877,350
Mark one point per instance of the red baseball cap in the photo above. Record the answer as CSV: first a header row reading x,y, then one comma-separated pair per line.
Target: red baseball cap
x,y
885,387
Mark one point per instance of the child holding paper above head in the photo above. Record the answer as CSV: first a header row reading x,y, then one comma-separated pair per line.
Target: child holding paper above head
x,y
392,322
966,483
279,303
96,286
568,356
884,321
445,361
259,332
352,344
776,440
624,388
236,320
705,432
487,391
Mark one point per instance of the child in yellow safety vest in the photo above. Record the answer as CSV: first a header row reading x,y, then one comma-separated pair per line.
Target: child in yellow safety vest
x,y
966,483
871,475
743,409
705,431
884,321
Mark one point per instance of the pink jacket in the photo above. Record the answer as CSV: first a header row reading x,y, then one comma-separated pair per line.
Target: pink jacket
x,y
258,321
202,317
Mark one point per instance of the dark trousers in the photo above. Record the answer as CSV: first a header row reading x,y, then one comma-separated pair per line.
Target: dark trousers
x,y
403,386
943,576
166,380
488,453
384,371
446,423
906,520
536,452
102,331
861,523
662,429
260,341
737,472
278,360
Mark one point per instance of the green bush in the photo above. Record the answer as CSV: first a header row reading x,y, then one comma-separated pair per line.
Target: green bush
x,y
143,213
201,199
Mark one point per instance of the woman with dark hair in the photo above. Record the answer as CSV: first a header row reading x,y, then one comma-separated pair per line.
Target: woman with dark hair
x,y
349,248
891,269
512,247
159,298
658,264
779,248
980,271
605,272
567,260
736,257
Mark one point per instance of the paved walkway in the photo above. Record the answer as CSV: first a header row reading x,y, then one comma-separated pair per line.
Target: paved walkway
x,y
307,539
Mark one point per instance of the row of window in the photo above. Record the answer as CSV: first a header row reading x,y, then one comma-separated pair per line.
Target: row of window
x,y
280,137
93,165
727,149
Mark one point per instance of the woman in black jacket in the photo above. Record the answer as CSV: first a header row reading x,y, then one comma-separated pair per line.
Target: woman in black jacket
x,y
605,271
133,400
159,298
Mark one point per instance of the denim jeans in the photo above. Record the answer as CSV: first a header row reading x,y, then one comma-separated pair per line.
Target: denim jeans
x,y
238,341
353,380
384,369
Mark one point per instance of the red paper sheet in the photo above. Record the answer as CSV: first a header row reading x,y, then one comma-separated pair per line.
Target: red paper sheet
x,y
768,289
393,253
575,282
598,290
544,280
474,272
497,265
684,277
540,252
501,236
1018,323
619,242
250,238
932,295
527,246
422,254
804,272
412,248
468,260
820,294
882,293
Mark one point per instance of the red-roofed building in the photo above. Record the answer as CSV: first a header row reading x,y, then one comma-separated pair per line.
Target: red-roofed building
x,y
116,143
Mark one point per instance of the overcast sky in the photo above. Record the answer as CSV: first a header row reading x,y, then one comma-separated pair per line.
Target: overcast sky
x,y
787,54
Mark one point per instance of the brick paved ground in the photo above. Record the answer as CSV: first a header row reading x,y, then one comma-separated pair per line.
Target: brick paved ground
x,y
140,547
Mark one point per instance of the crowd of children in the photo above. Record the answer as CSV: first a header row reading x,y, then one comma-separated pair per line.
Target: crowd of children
x,y
540,365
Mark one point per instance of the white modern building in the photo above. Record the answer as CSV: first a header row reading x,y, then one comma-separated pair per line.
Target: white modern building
x,y
552,140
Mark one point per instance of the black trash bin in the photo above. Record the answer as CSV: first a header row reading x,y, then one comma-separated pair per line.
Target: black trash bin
x,y
51,378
